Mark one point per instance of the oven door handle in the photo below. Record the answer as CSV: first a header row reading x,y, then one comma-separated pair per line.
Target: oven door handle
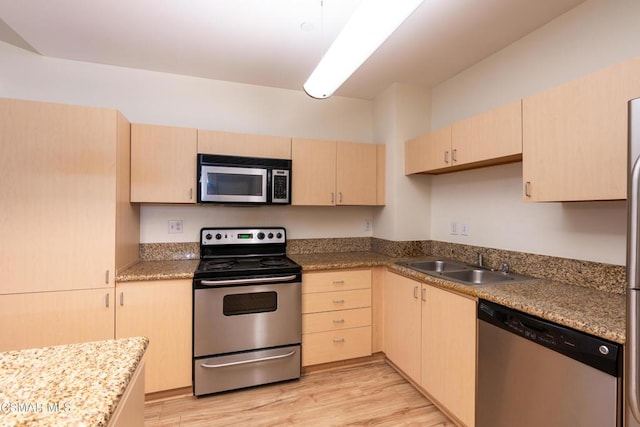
x,y
244,362
247,281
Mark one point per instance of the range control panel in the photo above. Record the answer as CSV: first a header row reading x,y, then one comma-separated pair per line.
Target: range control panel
x,y
242,236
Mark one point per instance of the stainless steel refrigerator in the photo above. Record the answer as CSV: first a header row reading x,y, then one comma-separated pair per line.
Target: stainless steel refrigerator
x,y
632,350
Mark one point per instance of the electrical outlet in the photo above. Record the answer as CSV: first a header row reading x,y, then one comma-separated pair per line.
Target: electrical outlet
x,y
175,226
464,229
454,228
367,225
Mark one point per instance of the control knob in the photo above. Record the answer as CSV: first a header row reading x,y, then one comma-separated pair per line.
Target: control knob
x,y
270,235
208,236
279,235
218,236
261,236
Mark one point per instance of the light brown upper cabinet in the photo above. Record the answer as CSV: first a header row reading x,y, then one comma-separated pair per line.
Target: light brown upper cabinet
x,y
163,164
65,197
575,137
430,152
327,173
490,138
242,144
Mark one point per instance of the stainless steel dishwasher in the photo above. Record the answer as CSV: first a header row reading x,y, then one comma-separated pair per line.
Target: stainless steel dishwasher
x,y
533,373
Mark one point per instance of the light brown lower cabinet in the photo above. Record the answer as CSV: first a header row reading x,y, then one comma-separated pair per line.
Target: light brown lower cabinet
x,y
33,320
130,409
430,334
161,311
336,316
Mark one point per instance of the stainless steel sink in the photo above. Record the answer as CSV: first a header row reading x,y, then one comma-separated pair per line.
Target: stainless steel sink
x,y
479,277
436,266
464,273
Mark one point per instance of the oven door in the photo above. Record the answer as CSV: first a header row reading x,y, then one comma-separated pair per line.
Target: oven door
x,y
230,184
236,315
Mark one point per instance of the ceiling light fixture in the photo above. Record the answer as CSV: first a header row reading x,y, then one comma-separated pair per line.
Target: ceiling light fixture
x,y
371,24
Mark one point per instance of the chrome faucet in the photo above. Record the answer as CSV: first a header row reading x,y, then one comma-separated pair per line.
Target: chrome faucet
x,y
505,267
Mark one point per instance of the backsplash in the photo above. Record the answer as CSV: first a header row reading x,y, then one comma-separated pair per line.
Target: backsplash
x,y
605,277
169,251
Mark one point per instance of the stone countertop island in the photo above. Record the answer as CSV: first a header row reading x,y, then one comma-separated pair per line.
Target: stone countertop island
x,y
67,385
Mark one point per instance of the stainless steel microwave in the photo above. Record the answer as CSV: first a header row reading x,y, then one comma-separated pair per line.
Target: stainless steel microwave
x,y
243,180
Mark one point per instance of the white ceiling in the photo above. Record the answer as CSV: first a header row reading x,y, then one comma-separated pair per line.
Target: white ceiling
x,y
262,41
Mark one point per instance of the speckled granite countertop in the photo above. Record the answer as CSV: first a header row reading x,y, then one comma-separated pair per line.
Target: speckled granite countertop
x,y
159,270
593,311
588,310
67,385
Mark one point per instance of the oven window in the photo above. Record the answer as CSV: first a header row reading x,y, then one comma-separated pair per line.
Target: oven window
x,y
233,184
255,302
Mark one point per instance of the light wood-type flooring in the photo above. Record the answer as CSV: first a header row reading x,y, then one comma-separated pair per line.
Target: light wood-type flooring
x,y
372,394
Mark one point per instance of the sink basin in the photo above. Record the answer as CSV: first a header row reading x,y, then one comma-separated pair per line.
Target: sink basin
x,y
464,273
478,277
436,266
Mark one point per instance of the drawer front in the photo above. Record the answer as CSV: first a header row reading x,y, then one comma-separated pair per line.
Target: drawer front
x,y
339,280
324,347
331,301
335,320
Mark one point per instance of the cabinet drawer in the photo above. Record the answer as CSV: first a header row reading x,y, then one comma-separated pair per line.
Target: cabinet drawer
x,y
339,280
323,347
335,320
331,301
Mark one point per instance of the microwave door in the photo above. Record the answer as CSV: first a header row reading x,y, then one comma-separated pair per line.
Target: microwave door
x,y
226,184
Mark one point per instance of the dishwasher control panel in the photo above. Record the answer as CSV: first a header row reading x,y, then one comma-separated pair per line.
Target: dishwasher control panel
x,y
591,350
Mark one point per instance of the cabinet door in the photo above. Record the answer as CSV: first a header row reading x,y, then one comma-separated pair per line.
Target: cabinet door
x,y
575,137
54,318
313,172
402,323
241,144
356,180
449,351
429,152
161,311
491,137
163,164
58,192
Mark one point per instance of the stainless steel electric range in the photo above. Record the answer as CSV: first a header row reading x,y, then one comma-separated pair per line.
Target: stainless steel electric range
x,y
247,316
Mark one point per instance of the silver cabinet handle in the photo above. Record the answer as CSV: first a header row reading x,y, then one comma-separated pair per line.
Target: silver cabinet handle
x,y
338,321
423,294
338,341
247,281
415,292
527,189
244,362
333,198
454,157
106,277
121,299
338,282
446,156
106,300
338,301
191,193
340,195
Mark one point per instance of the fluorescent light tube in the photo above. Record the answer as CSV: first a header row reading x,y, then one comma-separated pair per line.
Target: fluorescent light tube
x,y
371,24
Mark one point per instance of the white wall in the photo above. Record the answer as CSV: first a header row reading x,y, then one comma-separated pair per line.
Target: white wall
x,y
594,35
401,112
160,98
